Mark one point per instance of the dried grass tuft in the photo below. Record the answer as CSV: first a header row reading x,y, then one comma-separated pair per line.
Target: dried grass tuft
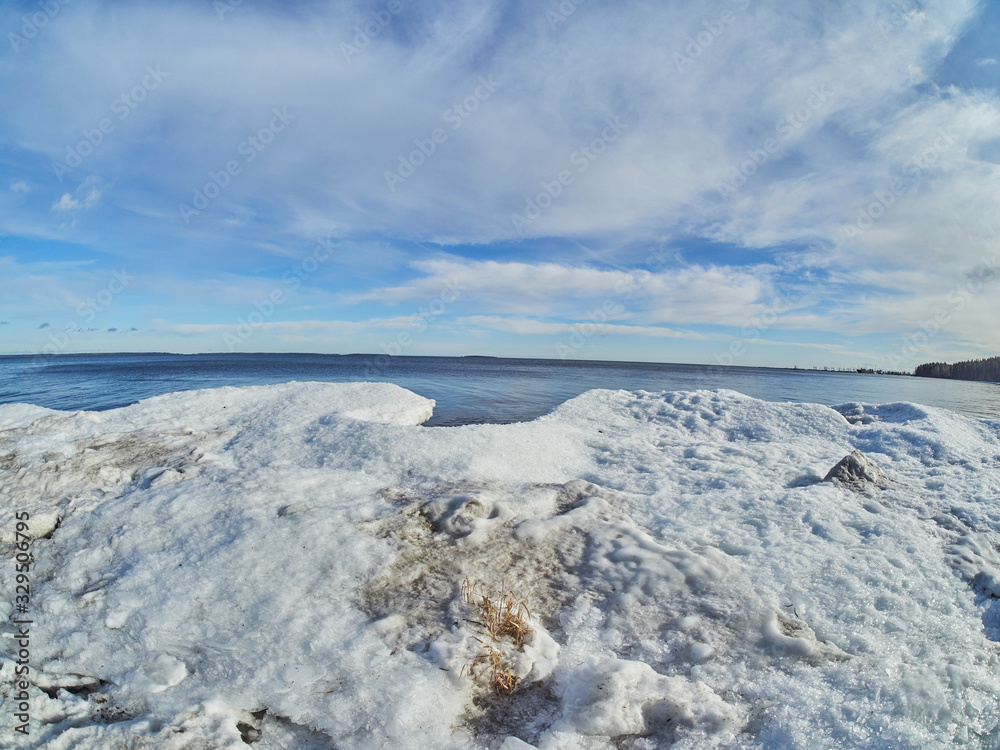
x,y
501,617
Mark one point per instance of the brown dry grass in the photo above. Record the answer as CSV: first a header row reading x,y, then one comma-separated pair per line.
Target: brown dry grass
x,y
501,616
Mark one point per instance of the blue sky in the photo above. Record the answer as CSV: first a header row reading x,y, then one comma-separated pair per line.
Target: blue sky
x,y
734,182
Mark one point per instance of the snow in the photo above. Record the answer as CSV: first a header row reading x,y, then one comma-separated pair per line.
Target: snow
x,y
284,565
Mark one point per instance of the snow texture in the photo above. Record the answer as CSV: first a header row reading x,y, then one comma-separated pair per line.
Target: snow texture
x,y
283,566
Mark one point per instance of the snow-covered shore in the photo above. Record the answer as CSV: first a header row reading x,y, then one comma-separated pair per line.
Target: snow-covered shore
x,y
283,565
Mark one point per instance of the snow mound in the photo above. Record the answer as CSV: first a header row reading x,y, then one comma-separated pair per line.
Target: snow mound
x,y
21,415
900,412
614,698
289,566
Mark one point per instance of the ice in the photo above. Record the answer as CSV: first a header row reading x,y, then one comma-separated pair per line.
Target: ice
x,y
975,558
20,415
286,565
615,698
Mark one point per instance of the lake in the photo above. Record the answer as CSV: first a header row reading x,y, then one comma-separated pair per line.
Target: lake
x,y
468,390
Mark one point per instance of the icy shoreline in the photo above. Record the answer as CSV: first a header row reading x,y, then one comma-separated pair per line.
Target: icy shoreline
x,y
284,564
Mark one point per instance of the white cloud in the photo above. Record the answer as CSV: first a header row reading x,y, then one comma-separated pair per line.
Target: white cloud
x,y
66,203
322,327
20,187
690,294
92,196
529,326
48,286
686,123
514,283
88,194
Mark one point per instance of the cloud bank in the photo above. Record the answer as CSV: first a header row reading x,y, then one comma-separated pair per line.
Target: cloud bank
x,y
536,152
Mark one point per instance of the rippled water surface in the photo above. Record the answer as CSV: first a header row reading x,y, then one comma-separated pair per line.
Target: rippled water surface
x,y
467,389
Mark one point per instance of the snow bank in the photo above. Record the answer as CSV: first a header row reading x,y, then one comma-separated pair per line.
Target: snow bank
x,y
284,566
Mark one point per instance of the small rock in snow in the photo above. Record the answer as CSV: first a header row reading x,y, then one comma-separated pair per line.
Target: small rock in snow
x,y
857,472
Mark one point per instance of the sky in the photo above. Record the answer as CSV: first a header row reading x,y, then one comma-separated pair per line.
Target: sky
x,y
735,182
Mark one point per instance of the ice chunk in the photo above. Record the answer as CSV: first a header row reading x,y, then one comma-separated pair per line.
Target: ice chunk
x,y
161,671
615,697
513,743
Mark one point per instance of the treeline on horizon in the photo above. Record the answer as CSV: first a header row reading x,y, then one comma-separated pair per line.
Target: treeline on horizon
x,y
986,369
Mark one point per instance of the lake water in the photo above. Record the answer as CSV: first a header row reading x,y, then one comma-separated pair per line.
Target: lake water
x,y
468,390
